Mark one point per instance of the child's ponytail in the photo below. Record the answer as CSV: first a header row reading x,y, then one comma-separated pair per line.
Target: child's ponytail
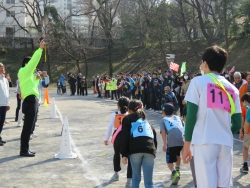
x,y
136,107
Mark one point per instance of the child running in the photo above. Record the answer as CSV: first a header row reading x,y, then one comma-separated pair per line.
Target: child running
x,y
213,116
138,144
245,99
171,129
115,122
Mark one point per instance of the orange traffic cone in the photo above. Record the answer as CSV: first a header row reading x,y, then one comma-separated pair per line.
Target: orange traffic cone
x,y
46,95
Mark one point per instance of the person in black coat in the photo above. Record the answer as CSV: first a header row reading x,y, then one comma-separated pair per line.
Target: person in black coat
x,y
72,83
157,95
145,93
168,80
151,91
79,80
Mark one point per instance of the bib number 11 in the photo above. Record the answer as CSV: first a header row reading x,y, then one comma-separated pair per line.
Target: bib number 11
x,y
213,96
217,98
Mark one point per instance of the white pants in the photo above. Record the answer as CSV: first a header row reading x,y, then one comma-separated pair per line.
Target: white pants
x,y
213,165
20,115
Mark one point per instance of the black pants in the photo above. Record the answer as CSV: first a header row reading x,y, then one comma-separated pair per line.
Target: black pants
x,y
119,94
29,109
98,91
79,90
34,125
3,110
113,94
142,95
139,95
152,101
73,89
133,93
107,94
18,106
117,157
84,90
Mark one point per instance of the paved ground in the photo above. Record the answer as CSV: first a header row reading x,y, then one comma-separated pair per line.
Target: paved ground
x,y
88,120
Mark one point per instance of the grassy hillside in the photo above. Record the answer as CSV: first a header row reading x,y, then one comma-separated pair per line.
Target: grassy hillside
x,y
133,60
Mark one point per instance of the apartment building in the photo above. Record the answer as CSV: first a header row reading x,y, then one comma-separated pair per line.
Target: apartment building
x,y
10,28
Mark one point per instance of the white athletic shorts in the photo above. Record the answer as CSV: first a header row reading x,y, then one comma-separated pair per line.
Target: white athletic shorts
x,y
213,165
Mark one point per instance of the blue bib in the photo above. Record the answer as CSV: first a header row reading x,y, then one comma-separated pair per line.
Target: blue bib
x,y
173,122
141,128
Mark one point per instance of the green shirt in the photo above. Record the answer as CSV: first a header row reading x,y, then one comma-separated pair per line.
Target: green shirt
x,y
27,79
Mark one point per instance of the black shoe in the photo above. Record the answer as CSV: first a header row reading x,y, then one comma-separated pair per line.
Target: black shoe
x,y
3,142
27,154
244,168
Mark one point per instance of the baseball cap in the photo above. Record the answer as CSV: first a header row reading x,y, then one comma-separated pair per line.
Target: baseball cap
x,y
169,71
168,109
155,81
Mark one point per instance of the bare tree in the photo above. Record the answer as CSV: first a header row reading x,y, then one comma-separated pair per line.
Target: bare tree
x,y
107,14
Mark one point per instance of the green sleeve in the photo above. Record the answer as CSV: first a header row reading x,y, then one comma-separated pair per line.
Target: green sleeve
x,y
32,64
192,110
236,122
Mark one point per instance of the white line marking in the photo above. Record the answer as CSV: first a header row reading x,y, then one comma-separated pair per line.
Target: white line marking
x,y
60,115
85,165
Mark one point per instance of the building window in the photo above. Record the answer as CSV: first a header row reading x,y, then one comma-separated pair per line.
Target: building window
x,y
10,1
10,31
10,13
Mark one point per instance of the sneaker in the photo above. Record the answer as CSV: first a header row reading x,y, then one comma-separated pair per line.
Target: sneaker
x,y
128,185
115,177
178,173
160,111
175,178
244,168
150,109
33,135
19,124
37,125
